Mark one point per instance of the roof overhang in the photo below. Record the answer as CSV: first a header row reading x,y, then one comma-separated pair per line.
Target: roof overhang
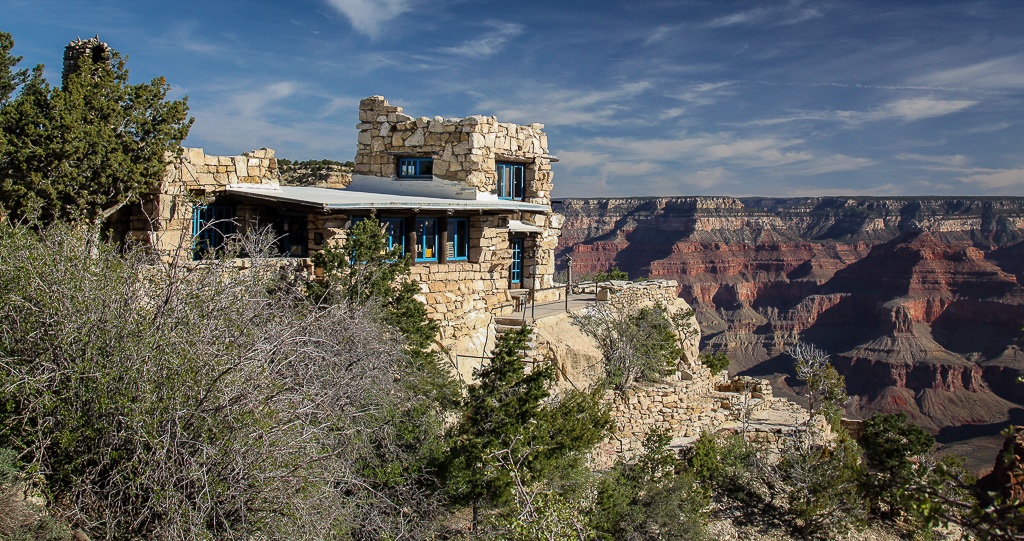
x,y
328,200
516,226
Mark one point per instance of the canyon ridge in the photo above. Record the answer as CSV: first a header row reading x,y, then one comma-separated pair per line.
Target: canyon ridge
x,y
918,300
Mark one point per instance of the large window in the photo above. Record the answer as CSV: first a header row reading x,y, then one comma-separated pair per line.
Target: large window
x,y
211,227
426,237
415,168
458,239
511,181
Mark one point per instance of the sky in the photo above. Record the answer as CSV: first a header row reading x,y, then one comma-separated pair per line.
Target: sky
x,y
645,97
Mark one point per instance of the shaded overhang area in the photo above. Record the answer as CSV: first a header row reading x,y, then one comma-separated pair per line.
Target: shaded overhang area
x,y
330,200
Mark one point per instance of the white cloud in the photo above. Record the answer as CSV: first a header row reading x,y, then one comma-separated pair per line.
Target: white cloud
x,y
911,109
792,12
629,169
490,43
906,110
948,161
369,16
708,178
255,103
999,180
831,164
578,159
999,73
756,152
562,106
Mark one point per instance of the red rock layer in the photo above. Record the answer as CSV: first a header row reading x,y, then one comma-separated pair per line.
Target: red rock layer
x,y
917,300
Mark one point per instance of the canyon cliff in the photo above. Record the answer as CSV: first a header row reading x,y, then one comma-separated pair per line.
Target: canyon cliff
x,y
919,300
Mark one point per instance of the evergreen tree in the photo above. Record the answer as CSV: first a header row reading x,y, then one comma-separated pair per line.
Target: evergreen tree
x,y
82,151
510,434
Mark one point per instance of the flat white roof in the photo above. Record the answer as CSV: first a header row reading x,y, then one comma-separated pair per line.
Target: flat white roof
x,y
331,199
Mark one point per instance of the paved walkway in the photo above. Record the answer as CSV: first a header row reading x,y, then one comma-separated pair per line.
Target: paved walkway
x,y
548,309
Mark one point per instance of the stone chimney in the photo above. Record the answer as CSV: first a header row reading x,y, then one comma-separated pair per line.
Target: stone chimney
x,y
97,50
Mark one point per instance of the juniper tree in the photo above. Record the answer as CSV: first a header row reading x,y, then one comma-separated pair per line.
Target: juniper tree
x,y
507,418
82,151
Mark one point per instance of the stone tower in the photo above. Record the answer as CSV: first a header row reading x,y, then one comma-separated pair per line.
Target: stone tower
x,y
96,49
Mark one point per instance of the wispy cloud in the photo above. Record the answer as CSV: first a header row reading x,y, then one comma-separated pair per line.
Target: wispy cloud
x,y
949,161
911,109
999,73
557,106
705,93
255,103
490,43
792,12
369,16
905,110
1003,180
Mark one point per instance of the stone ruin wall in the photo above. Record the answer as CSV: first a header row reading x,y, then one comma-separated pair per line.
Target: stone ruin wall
x,y
164,219
464,149
694,403
684,404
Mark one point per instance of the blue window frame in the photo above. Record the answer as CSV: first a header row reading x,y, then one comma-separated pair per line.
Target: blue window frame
x,y
211,227
511,181
458,239
294,237
516,274
422,168
394,228
426,231
394,232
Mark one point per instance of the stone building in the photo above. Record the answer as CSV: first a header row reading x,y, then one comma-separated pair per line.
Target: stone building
x,y
469,200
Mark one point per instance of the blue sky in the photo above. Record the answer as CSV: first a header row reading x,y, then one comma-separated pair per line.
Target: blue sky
x,y
645,97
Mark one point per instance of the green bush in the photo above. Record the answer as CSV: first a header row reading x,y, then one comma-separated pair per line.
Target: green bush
x,y
654,498
611,274
716,362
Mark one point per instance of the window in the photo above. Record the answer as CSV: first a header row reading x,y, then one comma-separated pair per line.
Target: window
x,y
516,270
211,227
511,181
394,229
294,235
426,231
422,168
394,232
458,239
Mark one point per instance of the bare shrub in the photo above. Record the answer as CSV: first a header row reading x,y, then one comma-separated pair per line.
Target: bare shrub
x,y
199,401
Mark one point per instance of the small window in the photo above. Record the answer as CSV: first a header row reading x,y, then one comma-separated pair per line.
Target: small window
x,y
516,270
421,168
426,231
458,239
511,181
212,225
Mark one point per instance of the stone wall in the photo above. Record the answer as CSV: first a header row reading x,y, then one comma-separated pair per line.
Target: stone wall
x,y
463,149
164,219
697,402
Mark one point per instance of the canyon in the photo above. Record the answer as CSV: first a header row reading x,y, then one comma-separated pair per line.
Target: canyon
x,y
919,301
